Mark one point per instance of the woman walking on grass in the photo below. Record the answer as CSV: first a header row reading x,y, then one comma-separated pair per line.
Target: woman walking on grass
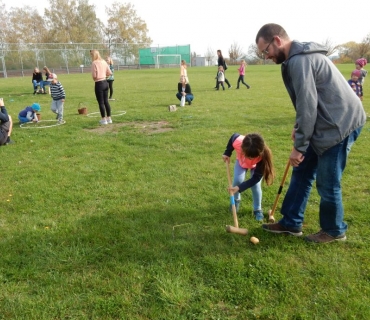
x,y
100,71
221,62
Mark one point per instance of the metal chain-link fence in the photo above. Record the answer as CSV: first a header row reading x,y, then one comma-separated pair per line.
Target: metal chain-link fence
x,y
21,59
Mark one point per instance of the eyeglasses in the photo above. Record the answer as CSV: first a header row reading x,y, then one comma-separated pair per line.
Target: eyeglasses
x,y
266,51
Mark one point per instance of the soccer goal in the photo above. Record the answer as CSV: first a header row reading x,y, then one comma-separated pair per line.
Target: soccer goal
x,y
167,60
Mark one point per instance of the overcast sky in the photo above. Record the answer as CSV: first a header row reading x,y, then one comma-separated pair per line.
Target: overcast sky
x,y
218,24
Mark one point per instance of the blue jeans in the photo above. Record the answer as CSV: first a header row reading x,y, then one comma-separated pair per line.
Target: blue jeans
x,y
239,176
327,169
57,107
189,97
35,84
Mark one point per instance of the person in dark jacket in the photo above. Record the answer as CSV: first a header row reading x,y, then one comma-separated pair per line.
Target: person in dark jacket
x,y
6,125
37,81
221,62
184,89
329,118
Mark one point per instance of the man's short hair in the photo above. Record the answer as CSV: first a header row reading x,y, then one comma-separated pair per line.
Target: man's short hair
x,y
269,30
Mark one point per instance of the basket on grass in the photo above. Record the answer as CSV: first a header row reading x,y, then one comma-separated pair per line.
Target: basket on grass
x,y
82,109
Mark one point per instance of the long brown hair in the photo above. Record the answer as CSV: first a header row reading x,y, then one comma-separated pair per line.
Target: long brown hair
x,y
254,146
46,69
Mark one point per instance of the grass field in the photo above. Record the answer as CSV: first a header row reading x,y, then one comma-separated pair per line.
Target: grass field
x,y
127,221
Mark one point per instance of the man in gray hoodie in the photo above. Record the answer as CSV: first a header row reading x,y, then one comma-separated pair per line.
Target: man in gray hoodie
x,y
329,118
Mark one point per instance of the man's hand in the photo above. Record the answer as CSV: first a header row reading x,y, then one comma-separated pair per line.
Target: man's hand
x,y
1,102
296,158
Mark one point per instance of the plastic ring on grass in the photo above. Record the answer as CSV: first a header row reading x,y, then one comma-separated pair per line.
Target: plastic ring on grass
x,y
34,125
91,115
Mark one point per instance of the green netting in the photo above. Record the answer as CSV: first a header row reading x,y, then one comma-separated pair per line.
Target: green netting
x,y
149,55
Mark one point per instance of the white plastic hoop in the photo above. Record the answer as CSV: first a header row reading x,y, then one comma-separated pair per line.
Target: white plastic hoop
x,y
90,115
31,125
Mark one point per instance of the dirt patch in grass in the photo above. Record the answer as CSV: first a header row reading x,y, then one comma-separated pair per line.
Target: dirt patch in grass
x,y
147,127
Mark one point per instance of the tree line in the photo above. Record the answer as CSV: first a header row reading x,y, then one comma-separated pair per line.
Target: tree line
x,y
71,22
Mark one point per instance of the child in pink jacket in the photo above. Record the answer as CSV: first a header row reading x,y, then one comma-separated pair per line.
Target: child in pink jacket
x,y
241,70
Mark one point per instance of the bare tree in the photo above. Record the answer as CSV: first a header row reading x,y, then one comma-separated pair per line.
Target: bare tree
x,y
124,26
209,55
254,55
25,26
330,46
235,52
71,22
193,58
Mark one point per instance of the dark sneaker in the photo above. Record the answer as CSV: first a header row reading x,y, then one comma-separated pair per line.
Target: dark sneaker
x,y
278,228
8,141
323,237
258,214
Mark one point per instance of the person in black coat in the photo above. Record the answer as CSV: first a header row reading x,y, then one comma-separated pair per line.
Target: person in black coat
x,y
221,62
37,80
184,88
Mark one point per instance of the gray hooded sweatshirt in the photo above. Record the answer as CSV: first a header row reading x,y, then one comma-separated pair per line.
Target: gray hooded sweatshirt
x,y
327,109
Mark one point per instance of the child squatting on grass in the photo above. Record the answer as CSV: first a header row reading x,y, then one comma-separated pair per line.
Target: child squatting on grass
x,y
29,113
251,154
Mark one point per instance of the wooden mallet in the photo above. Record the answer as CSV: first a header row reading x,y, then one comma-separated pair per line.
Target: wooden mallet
x,y
235,228
272,211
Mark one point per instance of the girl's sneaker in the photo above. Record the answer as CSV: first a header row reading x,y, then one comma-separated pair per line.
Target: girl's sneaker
x,y
103,121
109,120
258,214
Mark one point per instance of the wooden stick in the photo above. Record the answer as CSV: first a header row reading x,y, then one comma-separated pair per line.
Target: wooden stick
x,y
272,211
235,228
232,199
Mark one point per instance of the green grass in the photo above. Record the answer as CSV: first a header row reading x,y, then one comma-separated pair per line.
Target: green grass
x,y
127,221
